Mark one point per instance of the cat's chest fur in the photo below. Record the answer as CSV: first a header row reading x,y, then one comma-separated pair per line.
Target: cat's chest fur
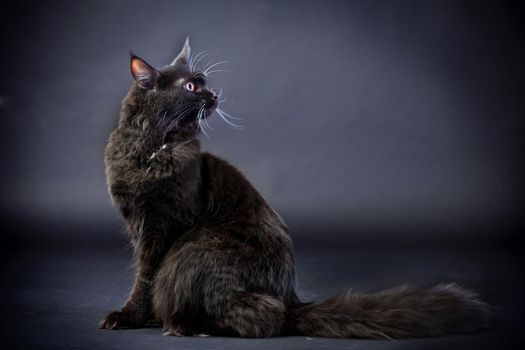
x,y
153,183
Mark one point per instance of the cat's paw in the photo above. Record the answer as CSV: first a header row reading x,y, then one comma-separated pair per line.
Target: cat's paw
x,y
179,330
118,320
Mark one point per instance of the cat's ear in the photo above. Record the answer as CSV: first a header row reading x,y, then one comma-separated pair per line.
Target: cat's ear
x,y
184,56
145,75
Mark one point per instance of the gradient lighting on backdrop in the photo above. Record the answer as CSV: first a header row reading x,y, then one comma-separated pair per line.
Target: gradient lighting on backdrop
x,y
367,124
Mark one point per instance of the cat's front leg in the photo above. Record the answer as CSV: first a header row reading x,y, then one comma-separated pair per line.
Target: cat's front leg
x,y
137,311
149,251
119,320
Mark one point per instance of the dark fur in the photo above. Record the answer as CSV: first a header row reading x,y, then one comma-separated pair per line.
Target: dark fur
x,y
213,257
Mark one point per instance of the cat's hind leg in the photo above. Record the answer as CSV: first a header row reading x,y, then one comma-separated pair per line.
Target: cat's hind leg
x,y
252,315
219,287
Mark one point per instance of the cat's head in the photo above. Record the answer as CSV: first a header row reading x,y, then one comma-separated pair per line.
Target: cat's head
x,y
171,99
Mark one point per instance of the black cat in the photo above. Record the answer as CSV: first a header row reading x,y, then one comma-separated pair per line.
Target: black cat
x,y
212,256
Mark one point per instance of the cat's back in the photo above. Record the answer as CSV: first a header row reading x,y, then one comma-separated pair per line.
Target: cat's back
x,y
226,182
232,198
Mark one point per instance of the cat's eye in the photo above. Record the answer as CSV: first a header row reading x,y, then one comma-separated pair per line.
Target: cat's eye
x,y
189,86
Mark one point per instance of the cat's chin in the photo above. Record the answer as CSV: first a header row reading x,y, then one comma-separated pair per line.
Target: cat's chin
x,y
211,108
209,111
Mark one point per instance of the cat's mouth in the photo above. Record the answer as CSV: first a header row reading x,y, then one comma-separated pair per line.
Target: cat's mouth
x,y
212,104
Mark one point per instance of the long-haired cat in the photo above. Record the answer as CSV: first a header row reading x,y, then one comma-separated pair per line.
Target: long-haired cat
x,y
212,255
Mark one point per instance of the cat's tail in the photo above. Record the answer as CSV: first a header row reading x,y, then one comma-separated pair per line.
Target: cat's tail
x,y
401,312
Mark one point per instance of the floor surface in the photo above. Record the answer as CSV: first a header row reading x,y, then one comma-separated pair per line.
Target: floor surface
x,y
55,298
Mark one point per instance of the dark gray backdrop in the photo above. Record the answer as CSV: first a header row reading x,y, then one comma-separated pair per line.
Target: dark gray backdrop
x,y
378,117
387,133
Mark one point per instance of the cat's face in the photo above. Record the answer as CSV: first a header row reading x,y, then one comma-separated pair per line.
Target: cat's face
x,y
176,96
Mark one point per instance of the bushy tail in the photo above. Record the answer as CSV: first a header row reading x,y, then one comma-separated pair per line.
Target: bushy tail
x,y
402,312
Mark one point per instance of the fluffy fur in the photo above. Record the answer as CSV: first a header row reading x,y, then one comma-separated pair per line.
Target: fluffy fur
x,y
212,256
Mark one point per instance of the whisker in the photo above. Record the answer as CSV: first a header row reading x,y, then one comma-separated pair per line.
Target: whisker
x,y
199,119
189,63
199,74
200,58
223,117
229,115
207,69
206,122
180,113
208,73
175,113
195,60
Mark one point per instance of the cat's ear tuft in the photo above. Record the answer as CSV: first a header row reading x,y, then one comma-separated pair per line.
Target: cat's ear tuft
x,y
184,56
145,75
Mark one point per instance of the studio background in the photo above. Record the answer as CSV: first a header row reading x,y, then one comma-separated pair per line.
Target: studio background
x,y
367,123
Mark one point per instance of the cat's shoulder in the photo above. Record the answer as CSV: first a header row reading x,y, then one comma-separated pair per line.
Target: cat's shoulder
x,y
219,166
210,157
212,161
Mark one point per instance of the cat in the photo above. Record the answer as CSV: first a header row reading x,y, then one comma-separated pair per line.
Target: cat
x,y
212,256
